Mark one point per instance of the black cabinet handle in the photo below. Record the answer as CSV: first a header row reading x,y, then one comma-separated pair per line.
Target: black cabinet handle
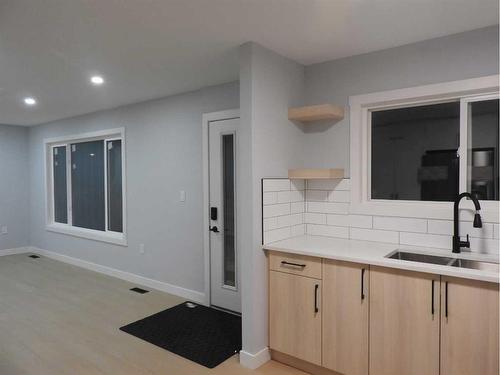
x,y
446,299
363,284
432,296
316,287
285,263
214,229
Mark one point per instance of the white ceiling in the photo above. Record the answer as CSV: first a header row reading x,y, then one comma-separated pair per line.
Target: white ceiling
x,y
152,48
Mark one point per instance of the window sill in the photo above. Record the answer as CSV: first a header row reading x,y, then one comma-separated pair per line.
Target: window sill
x,y
109,237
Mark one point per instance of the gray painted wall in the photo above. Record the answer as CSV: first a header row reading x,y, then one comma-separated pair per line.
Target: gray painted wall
x,y
269,84
455,57
163,156
14,197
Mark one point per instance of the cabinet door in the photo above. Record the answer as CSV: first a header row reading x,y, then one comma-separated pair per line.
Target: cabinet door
x,y
295,316
404,322
469,327
345,317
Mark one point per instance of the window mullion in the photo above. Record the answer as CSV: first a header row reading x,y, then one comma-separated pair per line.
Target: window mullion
x,y
69,166
106,213
462,150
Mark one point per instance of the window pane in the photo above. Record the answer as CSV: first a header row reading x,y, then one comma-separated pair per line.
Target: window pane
x,y
60,187
115,216
228,198
414,153
483,149
87,184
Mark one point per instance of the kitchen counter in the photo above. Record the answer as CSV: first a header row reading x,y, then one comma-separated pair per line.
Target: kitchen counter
x,y
373,253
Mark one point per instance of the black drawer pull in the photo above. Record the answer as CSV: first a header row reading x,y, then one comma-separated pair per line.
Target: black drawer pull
x,y
316,309
285,263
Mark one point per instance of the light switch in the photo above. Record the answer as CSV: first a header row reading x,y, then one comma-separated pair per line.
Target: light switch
x,y
182,196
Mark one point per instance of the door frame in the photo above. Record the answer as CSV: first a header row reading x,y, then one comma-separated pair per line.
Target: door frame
x,y
206,120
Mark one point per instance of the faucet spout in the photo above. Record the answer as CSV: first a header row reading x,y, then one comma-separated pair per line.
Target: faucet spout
x,y
457,243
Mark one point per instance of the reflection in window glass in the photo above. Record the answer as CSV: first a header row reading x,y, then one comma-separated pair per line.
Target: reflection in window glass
x,y
87,183
115,217
414,152
60,184
483,149
228,199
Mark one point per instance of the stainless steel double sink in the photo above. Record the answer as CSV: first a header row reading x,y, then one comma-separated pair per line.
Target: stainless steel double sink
x,y
444,261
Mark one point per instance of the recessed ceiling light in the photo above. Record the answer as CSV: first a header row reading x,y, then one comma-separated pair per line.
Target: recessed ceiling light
x,y
97,80
29,101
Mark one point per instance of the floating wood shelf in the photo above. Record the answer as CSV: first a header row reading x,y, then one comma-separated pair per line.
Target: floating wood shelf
x,y
316,113
315,174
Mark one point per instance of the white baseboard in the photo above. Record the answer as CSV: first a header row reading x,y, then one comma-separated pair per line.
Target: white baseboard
x,y
17,250
189,294
253,361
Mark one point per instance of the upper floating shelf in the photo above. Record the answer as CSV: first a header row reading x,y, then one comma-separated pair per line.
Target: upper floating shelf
x,y
316,113
315,174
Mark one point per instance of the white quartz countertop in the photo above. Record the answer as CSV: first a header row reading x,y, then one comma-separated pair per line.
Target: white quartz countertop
x,y
374,253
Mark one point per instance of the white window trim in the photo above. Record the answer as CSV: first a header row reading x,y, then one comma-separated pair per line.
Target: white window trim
x,y
50,225
360,107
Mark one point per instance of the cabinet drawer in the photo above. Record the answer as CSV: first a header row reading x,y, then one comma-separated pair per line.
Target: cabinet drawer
x,y
295,264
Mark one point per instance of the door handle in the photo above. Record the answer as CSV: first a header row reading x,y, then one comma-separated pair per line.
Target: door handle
x,y
363,283
432,296
316,287
214,229
446,299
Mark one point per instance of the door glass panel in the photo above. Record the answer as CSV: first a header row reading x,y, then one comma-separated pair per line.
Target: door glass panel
x,y
483,149
229,272
115,217
60,185
414,152
87,177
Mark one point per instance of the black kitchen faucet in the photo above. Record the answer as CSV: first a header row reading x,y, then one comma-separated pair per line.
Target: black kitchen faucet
x,y
457,243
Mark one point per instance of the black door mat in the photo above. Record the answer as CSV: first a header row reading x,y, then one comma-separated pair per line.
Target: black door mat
x,y
201,334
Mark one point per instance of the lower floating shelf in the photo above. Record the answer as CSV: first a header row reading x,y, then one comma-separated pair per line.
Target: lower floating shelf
x,y
315,174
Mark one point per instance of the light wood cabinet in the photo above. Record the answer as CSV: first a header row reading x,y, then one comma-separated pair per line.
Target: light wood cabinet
x,y
404,322
334,317
345,317
295,316
469,327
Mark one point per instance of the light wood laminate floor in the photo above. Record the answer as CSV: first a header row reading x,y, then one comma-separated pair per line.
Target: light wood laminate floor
x,y
59,319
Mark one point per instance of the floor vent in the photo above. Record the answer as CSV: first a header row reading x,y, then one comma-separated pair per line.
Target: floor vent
x,y
34,256
139,290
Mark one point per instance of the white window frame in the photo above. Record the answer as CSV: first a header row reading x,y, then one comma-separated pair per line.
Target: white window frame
x,y
92,234
464,92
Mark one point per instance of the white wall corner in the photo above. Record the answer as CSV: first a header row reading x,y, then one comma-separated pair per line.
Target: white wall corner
x,y
189,294
254,361
17,250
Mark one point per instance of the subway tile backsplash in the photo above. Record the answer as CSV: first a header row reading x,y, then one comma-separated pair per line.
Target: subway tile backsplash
x,y
321,207
283,206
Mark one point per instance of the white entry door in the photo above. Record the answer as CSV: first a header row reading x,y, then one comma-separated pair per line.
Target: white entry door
x,y
224,270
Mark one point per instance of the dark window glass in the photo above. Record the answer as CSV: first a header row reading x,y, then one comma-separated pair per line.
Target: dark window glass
x,y
60,185
228,198
115,209
414,152
483,149
87,183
